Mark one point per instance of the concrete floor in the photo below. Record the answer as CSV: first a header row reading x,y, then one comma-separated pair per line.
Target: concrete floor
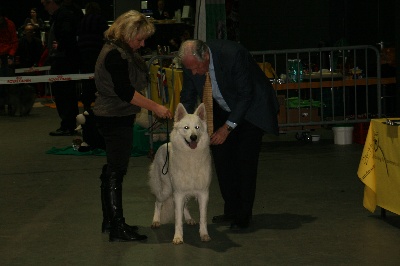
x,y
308,208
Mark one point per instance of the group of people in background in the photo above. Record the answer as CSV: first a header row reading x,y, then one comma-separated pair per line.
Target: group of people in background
x,y
36,45
69,43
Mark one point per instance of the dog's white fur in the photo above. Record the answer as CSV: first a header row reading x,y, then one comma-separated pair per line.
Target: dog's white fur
x,y
188,172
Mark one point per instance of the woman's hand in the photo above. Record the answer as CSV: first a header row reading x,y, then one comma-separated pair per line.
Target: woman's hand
x,y
159,110
162,112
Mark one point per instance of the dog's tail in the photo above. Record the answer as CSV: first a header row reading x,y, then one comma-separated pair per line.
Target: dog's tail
x,y
167,211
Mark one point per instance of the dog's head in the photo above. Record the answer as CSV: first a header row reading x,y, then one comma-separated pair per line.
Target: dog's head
x,y
190,130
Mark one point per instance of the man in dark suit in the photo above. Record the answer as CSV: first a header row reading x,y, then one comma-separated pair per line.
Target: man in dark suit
x,y
244,107
64,59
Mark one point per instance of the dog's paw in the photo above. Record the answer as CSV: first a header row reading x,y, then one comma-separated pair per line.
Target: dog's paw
x,y
191,221
155,225
205,238
177,240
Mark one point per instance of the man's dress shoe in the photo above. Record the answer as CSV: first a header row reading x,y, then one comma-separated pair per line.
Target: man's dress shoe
x,y
62,132
236,227
240,224
224,218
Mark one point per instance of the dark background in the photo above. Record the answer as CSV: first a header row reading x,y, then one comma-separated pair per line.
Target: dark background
x,y
266,25
287,24
276,25
18,10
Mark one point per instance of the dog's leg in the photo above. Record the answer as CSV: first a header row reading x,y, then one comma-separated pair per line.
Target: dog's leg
x,y
156,218
188,218
179,203
203,202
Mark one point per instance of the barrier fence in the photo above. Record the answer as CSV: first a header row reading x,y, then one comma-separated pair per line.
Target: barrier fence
x,y
331,85
26,78
315,87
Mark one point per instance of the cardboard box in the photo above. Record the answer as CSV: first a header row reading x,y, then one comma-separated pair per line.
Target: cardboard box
x,y
291,115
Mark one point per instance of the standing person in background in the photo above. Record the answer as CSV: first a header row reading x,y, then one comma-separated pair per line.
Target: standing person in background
x,y
75,9
121,75
64,59
244,106
8,48
30,49
161,12
90,41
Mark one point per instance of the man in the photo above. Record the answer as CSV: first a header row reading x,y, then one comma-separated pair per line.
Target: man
x,y
75,9
161,12
244,106
8,48
90,42
63,58
30,48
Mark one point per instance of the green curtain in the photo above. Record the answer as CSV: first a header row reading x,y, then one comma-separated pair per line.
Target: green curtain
x,y
215,19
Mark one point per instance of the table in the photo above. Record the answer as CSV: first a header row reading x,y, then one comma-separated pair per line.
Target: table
x,y
335,83
379,167
173,81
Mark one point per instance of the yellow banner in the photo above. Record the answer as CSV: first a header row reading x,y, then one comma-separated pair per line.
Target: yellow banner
x,y
379,167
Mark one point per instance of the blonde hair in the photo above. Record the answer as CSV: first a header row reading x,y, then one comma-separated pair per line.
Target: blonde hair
x,y
129,25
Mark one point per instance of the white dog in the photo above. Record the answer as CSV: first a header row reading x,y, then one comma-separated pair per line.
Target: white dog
x,y
182,169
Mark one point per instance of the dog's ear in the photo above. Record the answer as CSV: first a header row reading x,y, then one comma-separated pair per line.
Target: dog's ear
x,y
180,112
201,112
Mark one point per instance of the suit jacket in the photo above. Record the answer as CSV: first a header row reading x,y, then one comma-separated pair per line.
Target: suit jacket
x,y
243,85
63,30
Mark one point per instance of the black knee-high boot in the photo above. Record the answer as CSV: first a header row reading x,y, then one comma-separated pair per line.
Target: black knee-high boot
x,y
119,230
106,224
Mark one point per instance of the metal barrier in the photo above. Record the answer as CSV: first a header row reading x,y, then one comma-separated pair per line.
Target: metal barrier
x,y
318,86
321,86
163,61
327,85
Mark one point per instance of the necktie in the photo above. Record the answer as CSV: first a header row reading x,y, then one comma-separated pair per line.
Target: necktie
x,y
208,102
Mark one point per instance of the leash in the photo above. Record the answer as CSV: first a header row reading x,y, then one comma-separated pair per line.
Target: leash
x,y
164,170
156,125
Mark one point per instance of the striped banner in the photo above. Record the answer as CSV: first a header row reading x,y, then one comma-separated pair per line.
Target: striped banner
x,y
44,78
32,69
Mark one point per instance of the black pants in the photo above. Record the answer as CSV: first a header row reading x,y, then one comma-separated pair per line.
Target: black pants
x,y
88,58
236,163
118,137
65,92
5,71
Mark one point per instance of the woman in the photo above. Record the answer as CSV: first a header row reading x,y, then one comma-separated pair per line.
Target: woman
x,y
34,20
120,75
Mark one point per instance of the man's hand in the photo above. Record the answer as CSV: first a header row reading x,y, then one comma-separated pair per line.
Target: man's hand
x,y
219,136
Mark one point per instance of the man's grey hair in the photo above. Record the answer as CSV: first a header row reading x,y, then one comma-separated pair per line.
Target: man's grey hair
x,y
197,48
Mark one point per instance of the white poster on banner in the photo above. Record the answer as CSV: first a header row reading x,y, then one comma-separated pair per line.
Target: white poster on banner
x,y
210,21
